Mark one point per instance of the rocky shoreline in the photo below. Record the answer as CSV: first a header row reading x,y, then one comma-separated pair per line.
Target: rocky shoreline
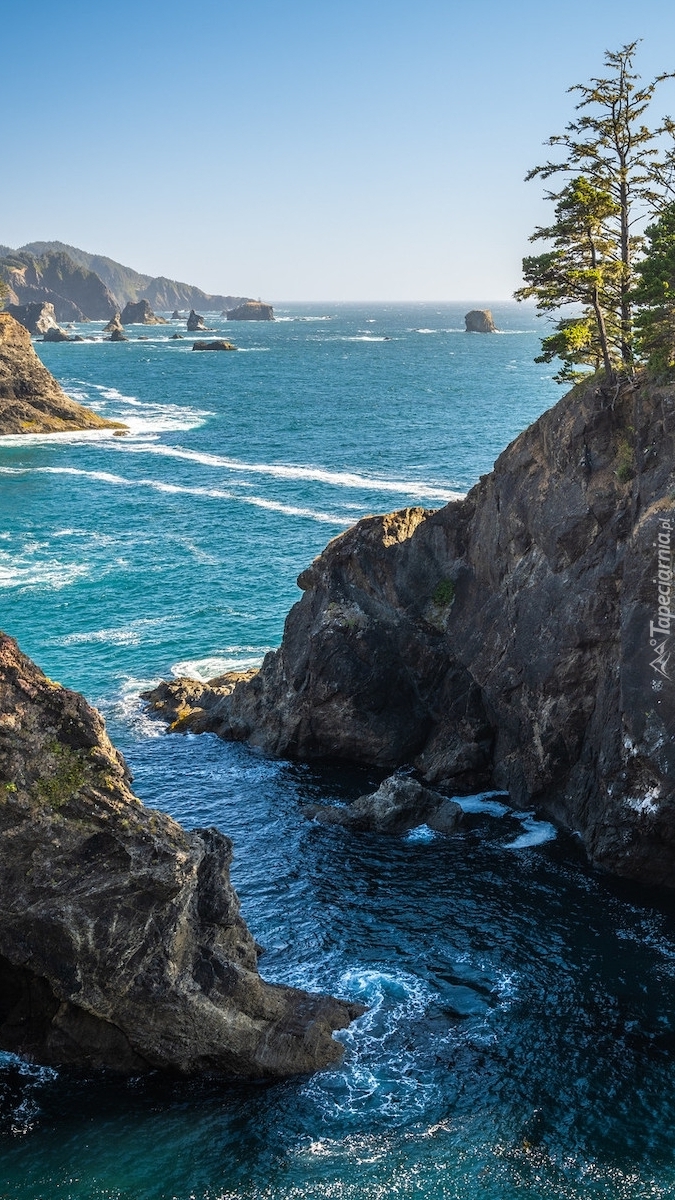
x,y
121,942
515,639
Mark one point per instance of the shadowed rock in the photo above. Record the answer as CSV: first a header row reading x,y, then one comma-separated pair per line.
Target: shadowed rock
x,y
121,942
36,317
195,322
140,313
217,345
399,803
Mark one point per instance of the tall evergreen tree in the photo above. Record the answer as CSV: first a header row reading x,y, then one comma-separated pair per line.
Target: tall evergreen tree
x,y
580,269
654,295
612,147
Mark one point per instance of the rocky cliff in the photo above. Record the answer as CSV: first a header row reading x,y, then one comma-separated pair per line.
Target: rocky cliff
x,y
75,292
252,310
519,638
121,941
31,401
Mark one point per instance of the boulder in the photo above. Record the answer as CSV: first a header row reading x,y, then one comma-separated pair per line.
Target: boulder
x,y
36,317
118,335
195,322
121,941
217,345
140,313
479,320
252,310
175,316
176,337
31,401
113,324
55,334
399,803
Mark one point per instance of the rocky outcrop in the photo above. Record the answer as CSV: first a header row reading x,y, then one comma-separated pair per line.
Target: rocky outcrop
x,y
479,320
399,803
140,314
521,637
116,329
113,324
121,940
31,401
252,310
195,323
36,318
219,344
55,334
175,316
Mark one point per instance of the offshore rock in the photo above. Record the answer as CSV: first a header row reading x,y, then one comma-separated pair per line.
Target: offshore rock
x,y
55,334
31,401
36,317
479,320
399,803
113,324
252,310
121,942
175,316
140,313
520,638
195,322
220,344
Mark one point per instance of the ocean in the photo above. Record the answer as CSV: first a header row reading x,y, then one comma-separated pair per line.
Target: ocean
x,y
520,1032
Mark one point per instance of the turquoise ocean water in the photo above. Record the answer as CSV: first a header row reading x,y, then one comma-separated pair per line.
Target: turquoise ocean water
x,y
520,1035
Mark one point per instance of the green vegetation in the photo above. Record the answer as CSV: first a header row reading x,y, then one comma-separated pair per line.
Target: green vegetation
x,y
69,775
655,296
617,176
624,467
443,594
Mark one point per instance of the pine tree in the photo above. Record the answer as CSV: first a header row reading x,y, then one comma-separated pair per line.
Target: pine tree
x,y
654,295
612,148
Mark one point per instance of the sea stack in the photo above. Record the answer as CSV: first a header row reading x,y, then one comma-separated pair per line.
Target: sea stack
x,y
37,317
479,320
121,942
195,323
252,310
31,401
140,314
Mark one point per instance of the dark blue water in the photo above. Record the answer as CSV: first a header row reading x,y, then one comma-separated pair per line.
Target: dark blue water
x,y
520,1036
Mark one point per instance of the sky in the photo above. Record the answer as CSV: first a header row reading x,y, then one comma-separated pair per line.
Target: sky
x,y
371,150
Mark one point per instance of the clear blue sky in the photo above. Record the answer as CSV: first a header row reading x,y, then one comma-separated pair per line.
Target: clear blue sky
x,y
360,150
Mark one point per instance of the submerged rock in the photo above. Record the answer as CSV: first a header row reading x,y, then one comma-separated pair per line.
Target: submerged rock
x,y
519,638
217,345
252,310
121,942
479,320
399,803
195,322
31,401
140,313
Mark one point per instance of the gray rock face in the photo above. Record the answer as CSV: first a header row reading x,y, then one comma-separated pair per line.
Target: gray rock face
x,y
121,943
140,313
36,317
252,310
55,334
399,803
479,320
520,638
195,322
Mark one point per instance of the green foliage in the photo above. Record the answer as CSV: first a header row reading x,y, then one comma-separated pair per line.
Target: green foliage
x,y
65,780
581,269
443,594
624,466
625,178
4,292
655,296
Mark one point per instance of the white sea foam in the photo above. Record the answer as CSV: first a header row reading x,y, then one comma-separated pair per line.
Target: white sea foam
x,y
128,707
421,833
157,485
20,572
132,634
230,658
535,833
484,802
345,479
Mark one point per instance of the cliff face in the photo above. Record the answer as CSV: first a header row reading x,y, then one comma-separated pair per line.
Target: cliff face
x,y
31,401
121,943
519,638
75,292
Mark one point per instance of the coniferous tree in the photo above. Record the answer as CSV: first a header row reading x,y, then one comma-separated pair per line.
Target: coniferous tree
x,y
580,269
654,295
610,145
